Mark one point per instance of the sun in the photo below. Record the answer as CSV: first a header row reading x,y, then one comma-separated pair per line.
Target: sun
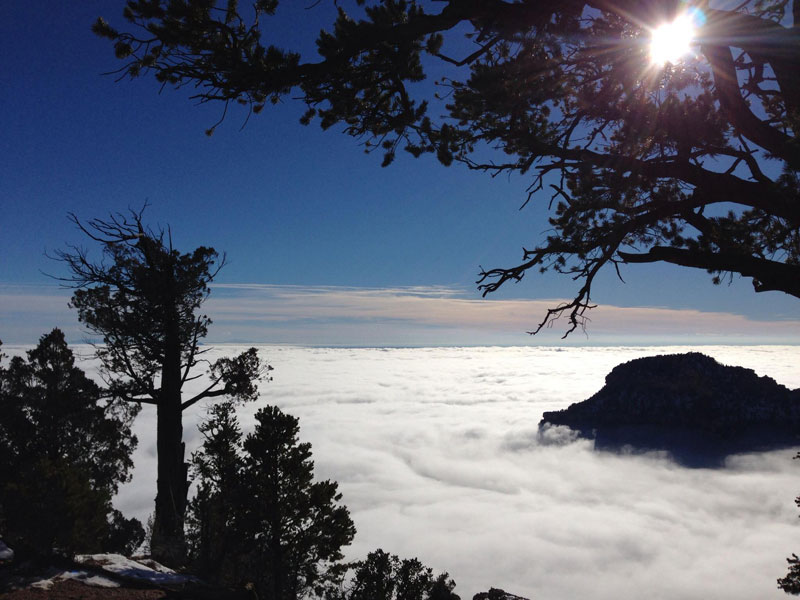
x,y
672,41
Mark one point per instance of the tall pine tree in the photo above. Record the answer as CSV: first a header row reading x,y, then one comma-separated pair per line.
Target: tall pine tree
x,y
143,298
259,517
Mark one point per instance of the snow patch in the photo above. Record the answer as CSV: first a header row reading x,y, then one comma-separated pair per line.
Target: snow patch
x,y
43,584
143,568
6,553
93,580
81,576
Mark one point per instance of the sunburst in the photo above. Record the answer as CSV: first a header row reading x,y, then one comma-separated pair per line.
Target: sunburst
x,y
671,42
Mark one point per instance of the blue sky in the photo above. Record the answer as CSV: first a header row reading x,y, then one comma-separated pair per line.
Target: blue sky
x,y
294,208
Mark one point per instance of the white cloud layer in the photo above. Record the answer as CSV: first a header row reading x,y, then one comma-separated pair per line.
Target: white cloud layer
x,y
437,456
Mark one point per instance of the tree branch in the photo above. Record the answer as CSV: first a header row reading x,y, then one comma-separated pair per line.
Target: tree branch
x,y
767,275
202,395
774,141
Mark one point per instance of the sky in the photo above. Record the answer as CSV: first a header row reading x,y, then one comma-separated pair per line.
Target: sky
x,y
438,456
324,246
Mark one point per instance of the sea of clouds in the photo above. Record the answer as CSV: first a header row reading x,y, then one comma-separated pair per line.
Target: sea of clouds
x,y
437,455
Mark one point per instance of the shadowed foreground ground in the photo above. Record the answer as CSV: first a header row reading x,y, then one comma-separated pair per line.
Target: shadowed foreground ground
x,y
92,580
75,590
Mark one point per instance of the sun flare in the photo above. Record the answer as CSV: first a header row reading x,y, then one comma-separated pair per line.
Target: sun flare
x,y
672,41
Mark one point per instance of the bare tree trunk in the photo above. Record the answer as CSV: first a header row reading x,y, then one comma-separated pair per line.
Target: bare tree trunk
x,y
168,544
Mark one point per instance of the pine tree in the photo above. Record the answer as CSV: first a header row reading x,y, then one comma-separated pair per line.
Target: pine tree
x,y
259,517
384,576
212,524
143,297
64,449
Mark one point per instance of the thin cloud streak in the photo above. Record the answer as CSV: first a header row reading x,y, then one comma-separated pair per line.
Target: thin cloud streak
x,y
400,316
392,310
29,311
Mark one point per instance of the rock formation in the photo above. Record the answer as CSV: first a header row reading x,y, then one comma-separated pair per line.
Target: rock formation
x,y
496,594
689,405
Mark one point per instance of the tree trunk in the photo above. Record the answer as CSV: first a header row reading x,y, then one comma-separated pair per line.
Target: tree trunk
x,y
168,544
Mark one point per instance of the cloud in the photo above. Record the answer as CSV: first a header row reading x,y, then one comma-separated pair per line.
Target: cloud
x,y
446,316
30,311
437,456
401,316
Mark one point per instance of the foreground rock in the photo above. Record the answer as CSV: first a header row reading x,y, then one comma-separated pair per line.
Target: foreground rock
x,y
688,405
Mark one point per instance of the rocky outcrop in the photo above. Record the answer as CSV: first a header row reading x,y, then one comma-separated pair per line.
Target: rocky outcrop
x,y
689,405
496,594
